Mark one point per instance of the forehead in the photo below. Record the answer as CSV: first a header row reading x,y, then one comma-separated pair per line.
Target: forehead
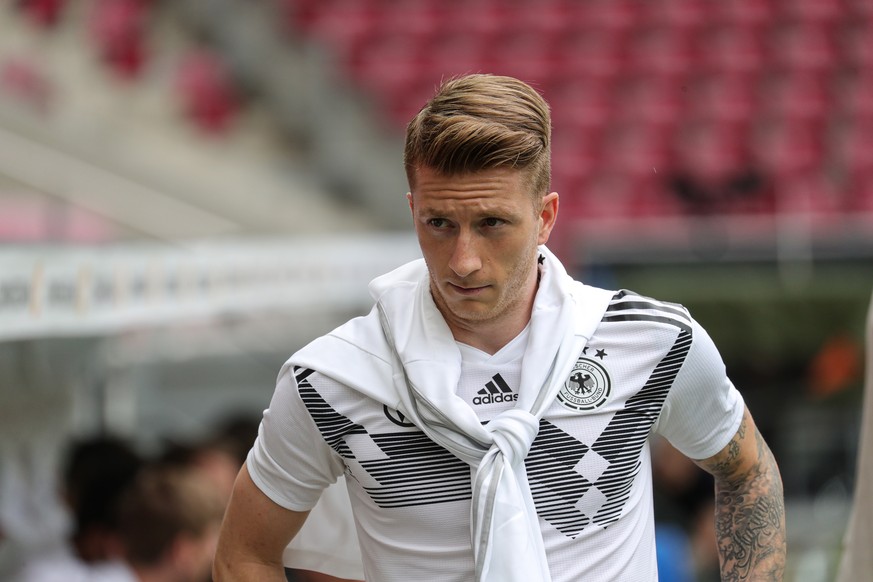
x,y
501,185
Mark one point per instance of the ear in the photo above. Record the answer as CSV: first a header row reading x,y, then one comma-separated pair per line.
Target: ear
x,y
411,203
548,216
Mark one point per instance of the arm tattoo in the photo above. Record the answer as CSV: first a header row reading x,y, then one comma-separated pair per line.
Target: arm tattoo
x,y
750,509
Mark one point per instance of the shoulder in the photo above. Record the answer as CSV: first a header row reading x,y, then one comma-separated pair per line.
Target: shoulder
x,y
358,338
627,307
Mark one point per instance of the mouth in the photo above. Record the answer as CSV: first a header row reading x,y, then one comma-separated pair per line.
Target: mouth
x,y
467,290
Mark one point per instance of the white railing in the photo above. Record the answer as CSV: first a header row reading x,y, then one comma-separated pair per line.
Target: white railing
x,y
46,291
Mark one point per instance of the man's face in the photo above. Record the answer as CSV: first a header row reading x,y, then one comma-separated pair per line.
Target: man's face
x,y
479,235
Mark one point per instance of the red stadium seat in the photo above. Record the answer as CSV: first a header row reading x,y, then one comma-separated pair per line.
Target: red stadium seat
x,y
733,49
859,194
615,16
815,11
419,19
678,14
592,53
580,104
650,100
724,98
385,63
663,51
44,13
575,156
636,150
528,56
343,27
800,96
548,18
784,148
207,91
118,26
808,193
710,150
754,13
804,46
853,148
481,17
857,44
453,53
855,97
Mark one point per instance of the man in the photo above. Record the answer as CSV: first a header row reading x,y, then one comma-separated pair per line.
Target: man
x,y
491,415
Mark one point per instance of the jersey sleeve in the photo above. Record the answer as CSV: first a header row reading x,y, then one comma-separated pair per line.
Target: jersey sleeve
x,y
290,461
703,409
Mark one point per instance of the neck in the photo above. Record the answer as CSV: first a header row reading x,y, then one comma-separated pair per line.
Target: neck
x,y
489,339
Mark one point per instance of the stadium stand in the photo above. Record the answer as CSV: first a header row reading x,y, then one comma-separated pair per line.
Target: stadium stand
x,y
784,82
779,73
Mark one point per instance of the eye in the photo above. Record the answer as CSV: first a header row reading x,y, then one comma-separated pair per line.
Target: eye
x,y
438,222
492,222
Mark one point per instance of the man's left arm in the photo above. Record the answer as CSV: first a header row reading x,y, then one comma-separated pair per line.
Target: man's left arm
x,y
749,506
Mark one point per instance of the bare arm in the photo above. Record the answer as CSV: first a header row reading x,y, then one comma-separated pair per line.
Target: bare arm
x,y
749,506
253,535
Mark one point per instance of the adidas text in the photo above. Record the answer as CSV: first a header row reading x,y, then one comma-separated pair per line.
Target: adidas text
x,y
492,398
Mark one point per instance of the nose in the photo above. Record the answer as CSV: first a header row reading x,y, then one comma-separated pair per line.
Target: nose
x,y
465,258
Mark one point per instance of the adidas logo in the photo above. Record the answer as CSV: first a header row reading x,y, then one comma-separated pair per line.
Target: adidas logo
x,y
497,390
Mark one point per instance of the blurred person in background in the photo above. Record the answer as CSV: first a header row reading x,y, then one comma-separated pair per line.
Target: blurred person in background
x,y
168,521
212,458
218,458
491,414
684,526
97,472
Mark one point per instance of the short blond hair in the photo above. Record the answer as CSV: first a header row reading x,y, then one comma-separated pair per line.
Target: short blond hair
x,y
480,122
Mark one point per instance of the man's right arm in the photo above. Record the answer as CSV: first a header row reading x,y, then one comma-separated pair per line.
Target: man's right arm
x,y
254,533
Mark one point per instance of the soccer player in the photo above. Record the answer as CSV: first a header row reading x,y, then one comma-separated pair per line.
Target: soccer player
x,y
491,414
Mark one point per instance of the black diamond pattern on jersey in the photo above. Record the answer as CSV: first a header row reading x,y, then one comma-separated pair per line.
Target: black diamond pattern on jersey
x,y
575,485
414,471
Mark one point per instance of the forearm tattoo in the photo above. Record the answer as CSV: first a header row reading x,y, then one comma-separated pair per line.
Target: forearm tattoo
x,y
750,510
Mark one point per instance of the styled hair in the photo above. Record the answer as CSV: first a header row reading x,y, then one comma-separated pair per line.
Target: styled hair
x,y
162,504
481,122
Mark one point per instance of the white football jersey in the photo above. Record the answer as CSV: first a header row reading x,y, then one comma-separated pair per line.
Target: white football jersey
x,y
649,367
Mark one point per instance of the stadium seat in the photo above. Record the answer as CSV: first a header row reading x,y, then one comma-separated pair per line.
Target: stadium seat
x,y
856,39
632,71
575,157
206,91
752,13
855,96
650,100
118,28
825,12
853,148
784,148
801,96
859,194
592,53
724,98
733,49
663,51
579,103
636,150
527,55
678,14
453,53
44,13
803,46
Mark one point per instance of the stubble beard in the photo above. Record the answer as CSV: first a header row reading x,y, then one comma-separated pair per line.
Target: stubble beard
x,y
513,296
